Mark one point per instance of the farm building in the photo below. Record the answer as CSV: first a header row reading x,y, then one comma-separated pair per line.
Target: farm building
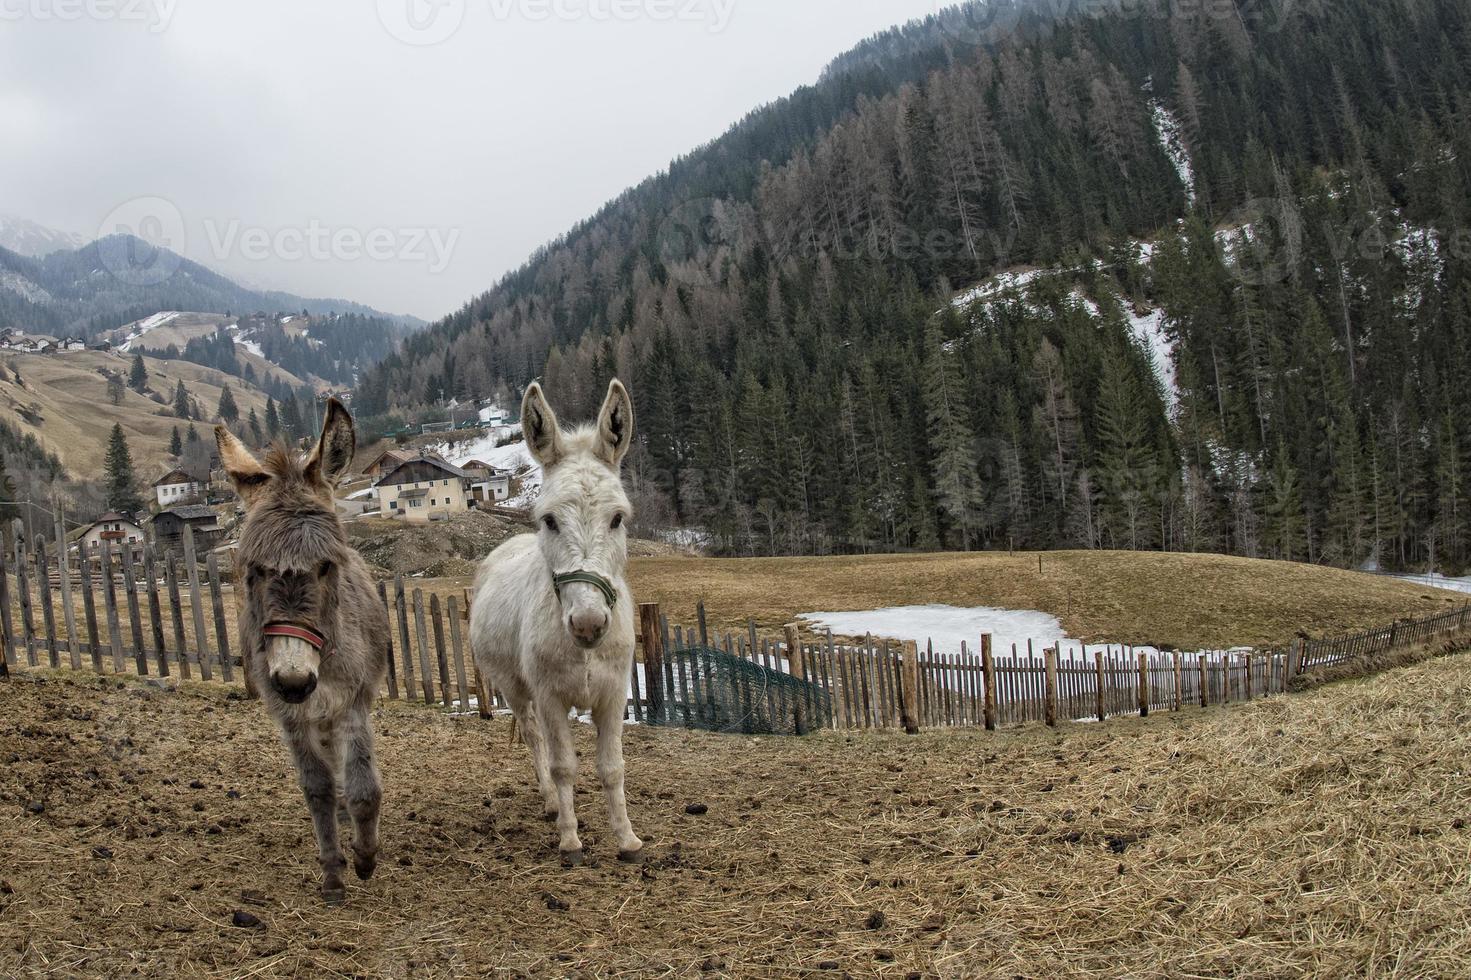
x,y
169,524
422,490
178,487
386,462
487,484
116,528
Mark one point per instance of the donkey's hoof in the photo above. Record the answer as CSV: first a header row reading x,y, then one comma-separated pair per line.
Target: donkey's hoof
x,y
632,857
573,859
364,865
334,896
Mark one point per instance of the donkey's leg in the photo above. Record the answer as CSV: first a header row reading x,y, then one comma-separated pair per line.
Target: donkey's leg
x,y
530,728
364,790
319,786
563,759
609,719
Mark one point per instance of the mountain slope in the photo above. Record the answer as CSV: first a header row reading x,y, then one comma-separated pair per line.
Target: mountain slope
x,y
773,296
26,237
102,285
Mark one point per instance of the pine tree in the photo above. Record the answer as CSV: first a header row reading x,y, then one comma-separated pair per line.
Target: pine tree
x,y
228,410
273,421
193,435
1283,514
138,377
256,436
176,444
182,405
953,461
121,482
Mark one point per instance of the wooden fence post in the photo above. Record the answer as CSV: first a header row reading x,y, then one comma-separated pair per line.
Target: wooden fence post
x,y
437,616
222,629
135,614
23,588
1179,681
1204,684
1049,708
68,614
1100,693
7,653
176,611
155,612
648,614
1144,685
988,671
48,612
909,693
392,664
426,679
796,664
454,615
196,603
405,645
109,600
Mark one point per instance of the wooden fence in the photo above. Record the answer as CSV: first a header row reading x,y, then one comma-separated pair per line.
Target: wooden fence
x,y
153,613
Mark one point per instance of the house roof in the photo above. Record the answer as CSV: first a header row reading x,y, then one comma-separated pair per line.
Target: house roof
x,y
393,455
173,477
434,461
188,512
114,517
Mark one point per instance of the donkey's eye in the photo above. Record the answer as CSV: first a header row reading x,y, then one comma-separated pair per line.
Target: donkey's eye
x,y
324,569
617,521
550,522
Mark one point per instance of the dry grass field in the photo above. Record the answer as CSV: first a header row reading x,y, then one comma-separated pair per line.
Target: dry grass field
x,y
1187,601
1320,834
69,394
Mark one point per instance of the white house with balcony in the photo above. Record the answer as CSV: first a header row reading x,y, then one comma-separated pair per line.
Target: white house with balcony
x,y
177,487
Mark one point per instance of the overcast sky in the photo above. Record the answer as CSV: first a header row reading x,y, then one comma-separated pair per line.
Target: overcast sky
x,y
329,149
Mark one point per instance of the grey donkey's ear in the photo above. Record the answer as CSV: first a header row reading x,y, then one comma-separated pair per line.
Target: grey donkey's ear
x,y
539,427
615,424
244,470
333,455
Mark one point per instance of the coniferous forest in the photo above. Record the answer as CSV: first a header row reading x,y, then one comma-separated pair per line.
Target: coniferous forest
x,y
1235,315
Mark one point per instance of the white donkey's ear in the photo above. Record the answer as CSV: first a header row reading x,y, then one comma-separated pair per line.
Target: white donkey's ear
x,y
539,427
245,471
330,460
615,424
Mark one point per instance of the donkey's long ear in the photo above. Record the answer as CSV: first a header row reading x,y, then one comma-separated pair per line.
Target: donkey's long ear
x,y
539,426
334,450
244,470
615,424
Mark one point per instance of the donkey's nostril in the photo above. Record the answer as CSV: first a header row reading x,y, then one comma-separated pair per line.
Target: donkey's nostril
x,y
295,688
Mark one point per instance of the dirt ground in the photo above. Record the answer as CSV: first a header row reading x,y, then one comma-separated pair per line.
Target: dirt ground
x,y
1320,834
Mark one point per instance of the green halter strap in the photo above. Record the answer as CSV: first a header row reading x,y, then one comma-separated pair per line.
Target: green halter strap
x,y
586,578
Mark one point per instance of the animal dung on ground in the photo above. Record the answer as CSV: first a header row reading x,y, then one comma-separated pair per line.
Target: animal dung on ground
x,y
697,809
244,920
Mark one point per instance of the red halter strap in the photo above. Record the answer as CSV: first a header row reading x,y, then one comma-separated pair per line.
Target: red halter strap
x,y
299,632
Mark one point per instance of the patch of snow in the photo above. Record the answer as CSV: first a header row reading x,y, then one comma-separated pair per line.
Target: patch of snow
x,y
515,458
145,325
1014,280
948,626
1149,328
252,346
1438,581
1172,141
1079,298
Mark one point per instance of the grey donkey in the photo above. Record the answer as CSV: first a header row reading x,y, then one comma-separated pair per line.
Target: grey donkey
x,y
314,632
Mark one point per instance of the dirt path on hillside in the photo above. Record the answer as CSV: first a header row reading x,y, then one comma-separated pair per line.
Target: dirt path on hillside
x,y
1320,834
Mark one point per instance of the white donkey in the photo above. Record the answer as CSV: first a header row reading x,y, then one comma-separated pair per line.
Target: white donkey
x,y
551,625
